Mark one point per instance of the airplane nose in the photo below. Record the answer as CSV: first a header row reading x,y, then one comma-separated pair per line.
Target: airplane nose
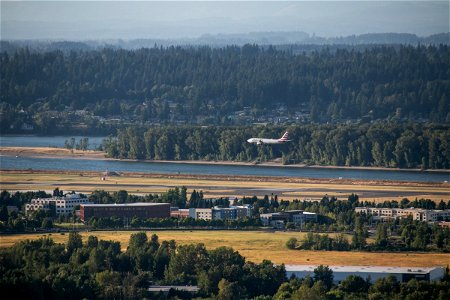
x,y
249,141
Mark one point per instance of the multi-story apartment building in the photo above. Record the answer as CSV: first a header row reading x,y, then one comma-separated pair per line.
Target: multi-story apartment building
x,y
201,213
39,204
243,211
60,205
224,214
419,214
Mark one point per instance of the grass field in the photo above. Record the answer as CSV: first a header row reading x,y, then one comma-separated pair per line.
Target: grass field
x,y
259,245
217,185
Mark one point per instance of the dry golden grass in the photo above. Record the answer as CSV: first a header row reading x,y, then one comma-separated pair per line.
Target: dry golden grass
x,y
219,185
259,245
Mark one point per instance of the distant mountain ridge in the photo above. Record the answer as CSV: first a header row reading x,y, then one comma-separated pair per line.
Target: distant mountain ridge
x,y
298,37
260,38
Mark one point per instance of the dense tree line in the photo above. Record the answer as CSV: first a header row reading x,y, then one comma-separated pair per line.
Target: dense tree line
x,y
378,144
404,235
42,269
136,223
13,221
406,203
18,199
177,197
320,242
381,81
297,41
99,269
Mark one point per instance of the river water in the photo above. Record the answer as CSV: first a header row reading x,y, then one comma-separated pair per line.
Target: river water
x,y
39,163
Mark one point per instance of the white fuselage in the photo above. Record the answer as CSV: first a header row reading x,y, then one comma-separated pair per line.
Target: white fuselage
x,y
261,141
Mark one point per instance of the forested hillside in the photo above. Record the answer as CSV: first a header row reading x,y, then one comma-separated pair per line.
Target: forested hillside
x,y
173,83
380,144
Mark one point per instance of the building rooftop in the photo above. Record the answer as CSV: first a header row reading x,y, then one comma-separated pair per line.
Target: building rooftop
x,y
363,269
72,196
285,212
224,208
65,197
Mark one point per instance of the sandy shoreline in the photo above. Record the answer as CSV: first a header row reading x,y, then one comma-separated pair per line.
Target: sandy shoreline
x,y
48,152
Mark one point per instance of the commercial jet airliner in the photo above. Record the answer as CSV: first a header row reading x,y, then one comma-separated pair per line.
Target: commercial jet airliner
x,y
261,141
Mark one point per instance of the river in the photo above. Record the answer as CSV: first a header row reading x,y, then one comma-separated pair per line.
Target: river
x,y
39,163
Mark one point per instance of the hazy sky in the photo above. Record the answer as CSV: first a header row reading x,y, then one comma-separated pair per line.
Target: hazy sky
x,y
79,20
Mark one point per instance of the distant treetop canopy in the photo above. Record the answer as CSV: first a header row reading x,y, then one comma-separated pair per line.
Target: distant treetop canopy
x,y
184,83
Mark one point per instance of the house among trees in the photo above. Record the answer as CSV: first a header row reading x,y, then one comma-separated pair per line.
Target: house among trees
x,y
280,219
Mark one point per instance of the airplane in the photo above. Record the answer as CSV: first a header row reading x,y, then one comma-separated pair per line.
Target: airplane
x,y
261,141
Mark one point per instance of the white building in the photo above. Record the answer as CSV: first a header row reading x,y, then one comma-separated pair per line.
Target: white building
x,y
38,204
201,213
61,205
418,214
403,274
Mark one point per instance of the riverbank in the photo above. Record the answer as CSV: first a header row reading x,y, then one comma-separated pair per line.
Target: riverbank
x,y
48,152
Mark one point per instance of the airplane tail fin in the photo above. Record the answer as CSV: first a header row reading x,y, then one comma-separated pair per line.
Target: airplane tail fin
x,y
285,137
